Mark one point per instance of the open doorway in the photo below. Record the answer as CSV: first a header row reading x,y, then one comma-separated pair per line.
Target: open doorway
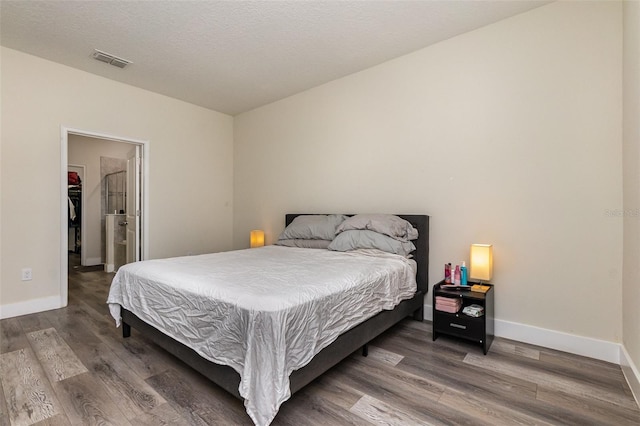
x,y
112,192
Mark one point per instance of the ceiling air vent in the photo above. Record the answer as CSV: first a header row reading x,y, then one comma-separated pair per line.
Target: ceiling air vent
x,y
110,59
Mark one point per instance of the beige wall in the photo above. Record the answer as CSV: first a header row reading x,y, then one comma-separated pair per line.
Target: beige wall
x,y
190,167
631,151
508,135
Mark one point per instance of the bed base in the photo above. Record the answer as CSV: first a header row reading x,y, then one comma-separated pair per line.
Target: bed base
x,y
228,379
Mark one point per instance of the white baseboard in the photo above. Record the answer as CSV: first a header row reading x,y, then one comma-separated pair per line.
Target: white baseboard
x,y
630,372
30,307
428,313
579,345
93,261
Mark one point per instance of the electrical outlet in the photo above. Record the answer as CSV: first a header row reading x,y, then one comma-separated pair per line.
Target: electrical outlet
x,y
27,274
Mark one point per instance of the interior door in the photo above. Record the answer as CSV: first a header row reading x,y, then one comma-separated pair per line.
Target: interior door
x,y
133,204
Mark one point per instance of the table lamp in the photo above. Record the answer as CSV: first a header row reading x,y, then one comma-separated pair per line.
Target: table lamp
x,y
481,262
257,238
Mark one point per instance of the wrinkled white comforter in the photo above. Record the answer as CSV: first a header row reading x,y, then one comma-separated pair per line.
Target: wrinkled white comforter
x,y
265,311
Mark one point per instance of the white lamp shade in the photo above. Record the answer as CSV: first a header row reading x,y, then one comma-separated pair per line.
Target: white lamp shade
x,y
481,262
257,238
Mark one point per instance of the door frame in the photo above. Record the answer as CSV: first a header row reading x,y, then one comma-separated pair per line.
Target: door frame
x,y
64,204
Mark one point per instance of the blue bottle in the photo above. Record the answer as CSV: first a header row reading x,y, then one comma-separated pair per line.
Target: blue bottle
x,y
463,274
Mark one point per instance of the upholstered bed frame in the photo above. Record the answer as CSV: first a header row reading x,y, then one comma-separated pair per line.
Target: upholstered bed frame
x,y
347,343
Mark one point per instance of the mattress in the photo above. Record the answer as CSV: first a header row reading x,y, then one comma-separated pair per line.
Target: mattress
x,y
266,311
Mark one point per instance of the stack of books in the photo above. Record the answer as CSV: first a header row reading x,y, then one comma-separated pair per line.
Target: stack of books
x,y
448,304
480,288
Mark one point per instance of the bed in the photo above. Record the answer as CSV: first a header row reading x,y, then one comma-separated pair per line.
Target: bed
x,y
173,325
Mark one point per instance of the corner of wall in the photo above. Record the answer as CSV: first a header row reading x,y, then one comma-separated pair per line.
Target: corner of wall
x,y
631,373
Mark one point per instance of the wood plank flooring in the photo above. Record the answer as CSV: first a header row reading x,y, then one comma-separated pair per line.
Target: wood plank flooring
x,y
72,367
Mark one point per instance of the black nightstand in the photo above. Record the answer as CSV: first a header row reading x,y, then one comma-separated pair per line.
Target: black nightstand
x,y
477,329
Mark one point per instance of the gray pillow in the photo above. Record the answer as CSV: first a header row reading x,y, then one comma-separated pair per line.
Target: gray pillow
x,y
365,239
302,243
313,227
387,224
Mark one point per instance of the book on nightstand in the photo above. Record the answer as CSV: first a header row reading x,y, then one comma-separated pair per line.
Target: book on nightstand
x,y
480,288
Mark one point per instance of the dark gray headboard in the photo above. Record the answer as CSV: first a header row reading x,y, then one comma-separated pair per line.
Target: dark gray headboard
x,y
421,255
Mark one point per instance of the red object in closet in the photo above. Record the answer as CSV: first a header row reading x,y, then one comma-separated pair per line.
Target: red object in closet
x,y
74,179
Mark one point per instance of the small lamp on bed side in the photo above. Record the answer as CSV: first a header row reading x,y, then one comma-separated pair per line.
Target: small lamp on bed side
x,y
257,238
481,262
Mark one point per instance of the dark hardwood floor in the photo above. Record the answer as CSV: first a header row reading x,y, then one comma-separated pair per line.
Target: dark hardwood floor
x,y
72,367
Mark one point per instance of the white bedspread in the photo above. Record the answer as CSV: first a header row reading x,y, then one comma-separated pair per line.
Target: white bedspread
x,y
264,311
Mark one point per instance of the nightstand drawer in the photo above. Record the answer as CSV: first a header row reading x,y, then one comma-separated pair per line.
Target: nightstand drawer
x,y
459,325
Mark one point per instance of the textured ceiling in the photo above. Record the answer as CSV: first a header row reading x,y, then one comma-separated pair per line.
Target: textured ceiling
x,y
233,56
